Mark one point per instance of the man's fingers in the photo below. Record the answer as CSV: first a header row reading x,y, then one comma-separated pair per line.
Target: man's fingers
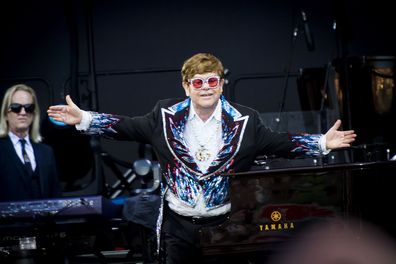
x,y
56,108
69,101
57,117
336,125
349,132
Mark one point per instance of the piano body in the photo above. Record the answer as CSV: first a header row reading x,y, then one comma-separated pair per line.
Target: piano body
x,y
270,207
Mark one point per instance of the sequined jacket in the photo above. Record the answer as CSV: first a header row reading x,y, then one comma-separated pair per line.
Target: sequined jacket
x,y
244,135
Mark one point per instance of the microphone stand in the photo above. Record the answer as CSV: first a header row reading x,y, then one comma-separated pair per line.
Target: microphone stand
x,y
287,74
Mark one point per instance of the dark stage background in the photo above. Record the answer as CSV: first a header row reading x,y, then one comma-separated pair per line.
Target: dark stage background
x,y
122,56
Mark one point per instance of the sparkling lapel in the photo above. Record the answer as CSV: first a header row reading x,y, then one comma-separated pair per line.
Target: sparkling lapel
x,y
233,127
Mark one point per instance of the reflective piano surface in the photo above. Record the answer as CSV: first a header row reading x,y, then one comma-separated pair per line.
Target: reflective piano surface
x,y
270,207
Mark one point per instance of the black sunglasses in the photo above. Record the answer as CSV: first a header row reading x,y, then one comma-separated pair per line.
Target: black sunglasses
x,y
16,108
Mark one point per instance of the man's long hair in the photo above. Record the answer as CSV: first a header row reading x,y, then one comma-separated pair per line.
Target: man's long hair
x,y
34,130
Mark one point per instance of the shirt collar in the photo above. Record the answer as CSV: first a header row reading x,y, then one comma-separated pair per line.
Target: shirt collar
x,y
216,113
15,139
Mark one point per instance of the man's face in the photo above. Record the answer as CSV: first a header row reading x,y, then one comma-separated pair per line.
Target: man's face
x,y
204,90
20,122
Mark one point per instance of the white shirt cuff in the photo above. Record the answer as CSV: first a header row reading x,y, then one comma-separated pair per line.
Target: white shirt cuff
x,y
322,145
85,121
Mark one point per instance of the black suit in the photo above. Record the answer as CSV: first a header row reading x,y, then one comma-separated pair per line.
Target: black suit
x,y
15,184
244,135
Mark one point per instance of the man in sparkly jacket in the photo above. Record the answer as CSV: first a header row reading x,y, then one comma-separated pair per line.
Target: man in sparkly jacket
x,y
197,140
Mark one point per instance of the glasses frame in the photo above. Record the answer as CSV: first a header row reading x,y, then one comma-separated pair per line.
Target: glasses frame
x,y
17,108
205,80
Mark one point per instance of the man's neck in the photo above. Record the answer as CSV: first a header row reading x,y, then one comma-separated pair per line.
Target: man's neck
x,y
204,113
20,134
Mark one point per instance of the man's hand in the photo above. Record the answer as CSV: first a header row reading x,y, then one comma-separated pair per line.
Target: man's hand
x,y
69,114
339,139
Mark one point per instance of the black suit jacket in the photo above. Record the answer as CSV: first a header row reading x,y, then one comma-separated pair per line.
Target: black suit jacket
x,y
14,183
244,135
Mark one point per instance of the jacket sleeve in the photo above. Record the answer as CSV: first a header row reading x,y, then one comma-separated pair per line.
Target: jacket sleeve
x,y
139,128
284,144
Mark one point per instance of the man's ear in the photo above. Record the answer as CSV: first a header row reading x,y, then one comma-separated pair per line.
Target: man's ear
x,y
186,88
221,85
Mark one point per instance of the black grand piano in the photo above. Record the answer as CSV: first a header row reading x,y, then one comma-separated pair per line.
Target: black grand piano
x,y
270,207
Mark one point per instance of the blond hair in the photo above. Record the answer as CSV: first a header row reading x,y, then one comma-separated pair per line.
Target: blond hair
x,y
201,63
34,131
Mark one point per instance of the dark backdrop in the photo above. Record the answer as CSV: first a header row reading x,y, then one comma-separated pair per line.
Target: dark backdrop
x,y
122,56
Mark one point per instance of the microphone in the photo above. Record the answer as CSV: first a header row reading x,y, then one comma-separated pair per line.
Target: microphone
x,y
308,35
